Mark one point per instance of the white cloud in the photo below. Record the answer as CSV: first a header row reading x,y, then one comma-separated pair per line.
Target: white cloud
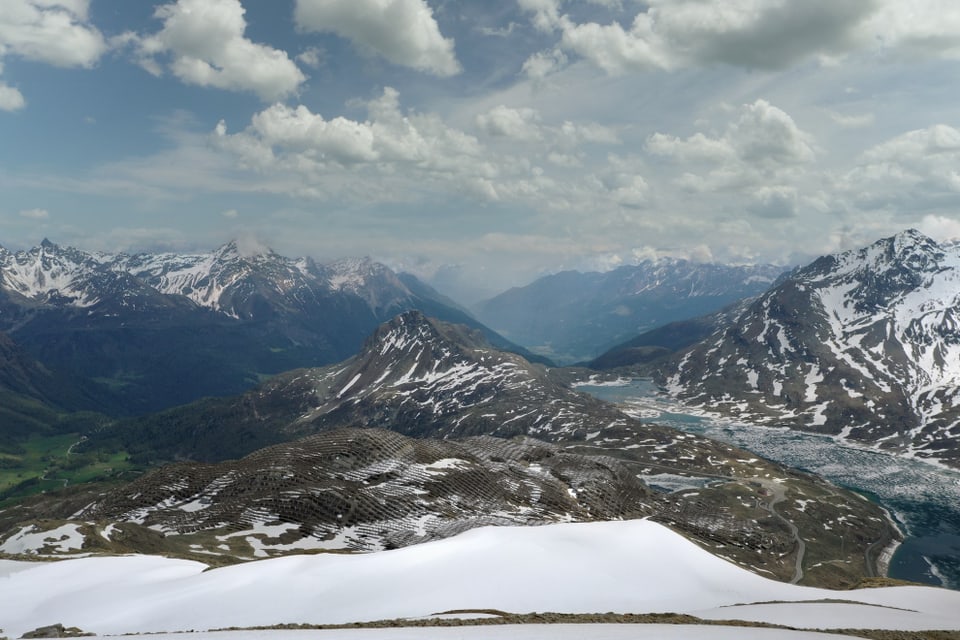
x,y
204,41
55,32
759,165
912,171
766,134
35,214
940,228
340,155
774,202
696,148
915,28
519,124
10,98
524,124
230,213
765,34
763,142
401,156
544,63
312,57
546,13
402,31
852,121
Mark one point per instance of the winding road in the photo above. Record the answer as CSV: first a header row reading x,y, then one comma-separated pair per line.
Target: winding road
x,y
778,493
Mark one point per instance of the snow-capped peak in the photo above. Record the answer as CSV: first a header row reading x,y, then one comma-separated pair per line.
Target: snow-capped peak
x,y
226,280
864,343
48,273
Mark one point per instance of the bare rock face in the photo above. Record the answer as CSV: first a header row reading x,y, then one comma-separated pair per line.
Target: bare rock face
x,y
56,631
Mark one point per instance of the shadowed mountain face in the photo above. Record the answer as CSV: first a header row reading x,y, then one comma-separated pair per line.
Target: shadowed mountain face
x,y
864,344
573,316
415,375
165,329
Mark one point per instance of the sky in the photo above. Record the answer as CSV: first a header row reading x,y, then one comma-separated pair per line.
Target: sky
x,y
479,144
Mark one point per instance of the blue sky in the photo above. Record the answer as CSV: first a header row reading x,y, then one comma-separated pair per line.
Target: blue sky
x,y
479,144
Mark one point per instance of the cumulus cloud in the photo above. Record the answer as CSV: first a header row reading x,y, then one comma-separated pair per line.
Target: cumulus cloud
x,y
312,57
524,124
544,63
763,142
399,155
519,124
914,170
10,98
203,43
940,228
404,32
761,34
390,143
774,202
55,32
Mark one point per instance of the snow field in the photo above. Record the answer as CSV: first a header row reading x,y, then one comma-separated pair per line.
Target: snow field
x,y
633,566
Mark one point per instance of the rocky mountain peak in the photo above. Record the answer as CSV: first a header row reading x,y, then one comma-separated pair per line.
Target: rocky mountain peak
x,y
882,273
863,343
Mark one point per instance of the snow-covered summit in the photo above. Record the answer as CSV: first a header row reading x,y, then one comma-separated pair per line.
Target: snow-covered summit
x,y
67,277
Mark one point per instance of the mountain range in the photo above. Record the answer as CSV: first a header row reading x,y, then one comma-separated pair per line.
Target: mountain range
x,y
573,316
429,431
158,330
863,344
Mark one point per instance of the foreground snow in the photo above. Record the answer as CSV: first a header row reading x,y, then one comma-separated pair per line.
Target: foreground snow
x,y
626,567
525,632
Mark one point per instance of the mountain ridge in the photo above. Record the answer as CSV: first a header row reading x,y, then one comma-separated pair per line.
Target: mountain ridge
x,y
577,316
160,330
864,344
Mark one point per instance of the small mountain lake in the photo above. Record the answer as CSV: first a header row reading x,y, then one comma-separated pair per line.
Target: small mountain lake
x,y
924,498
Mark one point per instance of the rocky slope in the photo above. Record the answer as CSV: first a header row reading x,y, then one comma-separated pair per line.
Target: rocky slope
x,y
573,316
364,490
473,410
864,344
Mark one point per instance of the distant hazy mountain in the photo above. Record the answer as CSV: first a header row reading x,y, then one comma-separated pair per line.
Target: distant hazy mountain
x,y
864,344
165,329
573,316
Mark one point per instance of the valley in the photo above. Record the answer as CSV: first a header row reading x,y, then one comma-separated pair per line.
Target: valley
x,y
429,432
922,497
